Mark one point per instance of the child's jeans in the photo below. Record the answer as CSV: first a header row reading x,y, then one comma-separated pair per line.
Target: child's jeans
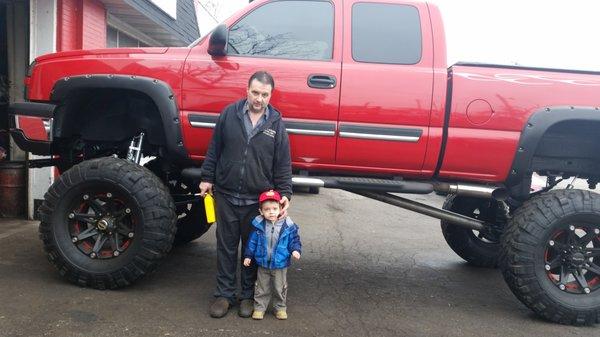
x,y
270,282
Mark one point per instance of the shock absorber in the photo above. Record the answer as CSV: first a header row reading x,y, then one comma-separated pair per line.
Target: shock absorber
x,y
134,153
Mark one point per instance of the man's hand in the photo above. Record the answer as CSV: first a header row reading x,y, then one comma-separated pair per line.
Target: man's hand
x,y
205,188
247,262
296,255
285,203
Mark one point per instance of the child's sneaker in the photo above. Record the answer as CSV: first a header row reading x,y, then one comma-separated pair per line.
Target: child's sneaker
x,y
258,314
281,314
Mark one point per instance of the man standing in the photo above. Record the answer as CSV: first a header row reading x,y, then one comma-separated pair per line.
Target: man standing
x,y
249,153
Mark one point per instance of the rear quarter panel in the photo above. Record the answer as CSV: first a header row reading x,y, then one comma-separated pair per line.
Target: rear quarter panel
x,y
491,105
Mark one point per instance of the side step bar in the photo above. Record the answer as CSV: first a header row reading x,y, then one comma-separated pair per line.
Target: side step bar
x,y
351,183
402,186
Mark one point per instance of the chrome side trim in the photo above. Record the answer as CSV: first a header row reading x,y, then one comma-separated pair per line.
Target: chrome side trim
x,y
312,128
201,119
203,125
391,133
411,139
310,132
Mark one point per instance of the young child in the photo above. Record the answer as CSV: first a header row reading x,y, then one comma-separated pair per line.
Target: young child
x,y
271,244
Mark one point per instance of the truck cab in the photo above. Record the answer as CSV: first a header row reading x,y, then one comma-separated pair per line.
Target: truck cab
x,y
359,92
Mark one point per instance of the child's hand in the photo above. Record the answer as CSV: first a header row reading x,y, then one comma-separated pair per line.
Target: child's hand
x,y
296,255
247,262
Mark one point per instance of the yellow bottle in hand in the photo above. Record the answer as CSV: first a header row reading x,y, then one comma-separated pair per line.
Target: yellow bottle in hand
x,y
209,207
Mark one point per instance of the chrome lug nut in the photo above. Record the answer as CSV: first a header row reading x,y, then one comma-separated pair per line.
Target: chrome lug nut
x,y
74,239
551,243
116,253
86,197
109,195
587,290
130,234
561,287
572,227
547,267
93,255
597,231
71,215
127,210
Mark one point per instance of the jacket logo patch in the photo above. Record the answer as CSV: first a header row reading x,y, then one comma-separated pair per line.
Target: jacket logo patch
x,y
270,132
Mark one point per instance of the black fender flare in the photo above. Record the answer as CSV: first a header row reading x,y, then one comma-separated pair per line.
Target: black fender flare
x,y
159,91
538,123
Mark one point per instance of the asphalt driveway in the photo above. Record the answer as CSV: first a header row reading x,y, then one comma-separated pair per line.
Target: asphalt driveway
x,y
368,269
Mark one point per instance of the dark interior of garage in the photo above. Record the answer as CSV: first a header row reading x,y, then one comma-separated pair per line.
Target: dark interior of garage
x,y
3,81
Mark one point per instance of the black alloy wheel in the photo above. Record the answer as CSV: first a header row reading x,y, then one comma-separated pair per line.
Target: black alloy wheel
x,y
551,256
106,223
572,258
102,225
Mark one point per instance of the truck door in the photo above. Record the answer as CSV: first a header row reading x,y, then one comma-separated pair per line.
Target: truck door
x,y
386,90
294,41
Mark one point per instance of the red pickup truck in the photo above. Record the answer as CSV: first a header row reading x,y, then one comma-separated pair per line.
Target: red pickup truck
x,y
370,106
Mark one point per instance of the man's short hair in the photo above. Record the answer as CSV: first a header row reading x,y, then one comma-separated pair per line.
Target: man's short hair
x,y
263,77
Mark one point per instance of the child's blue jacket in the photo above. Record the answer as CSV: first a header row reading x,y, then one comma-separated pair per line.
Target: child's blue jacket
x,y
288,241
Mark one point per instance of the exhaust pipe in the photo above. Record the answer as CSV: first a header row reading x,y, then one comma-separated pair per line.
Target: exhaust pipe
x,y
470,190
307,181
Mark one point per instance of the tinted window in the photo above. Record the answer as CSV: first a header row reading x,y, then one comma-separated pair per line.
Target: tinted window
x,y
386,33
285,29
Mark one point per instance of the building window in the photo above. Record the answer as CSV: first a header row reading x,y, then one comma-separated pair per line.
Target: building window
x,y
118,39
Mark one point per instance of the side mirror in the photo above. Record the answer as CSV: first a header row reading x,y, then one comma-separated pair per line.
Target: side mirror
x,y
217,45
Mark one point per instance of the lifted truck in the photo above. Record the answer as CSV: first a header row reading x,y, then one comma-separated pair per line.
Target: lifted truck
x,y
370,106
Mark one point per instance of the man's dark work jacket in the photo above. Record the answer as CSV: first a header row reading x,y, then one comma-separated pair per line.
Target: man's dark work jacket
x,y
242,167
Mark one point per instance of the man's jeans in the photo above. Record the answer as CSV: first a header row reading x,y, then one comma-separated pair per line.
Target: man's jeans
x,y
233,224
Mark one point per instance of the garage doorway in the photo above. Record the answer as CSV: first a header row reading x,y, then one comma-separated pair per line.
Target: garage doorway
x,y
3,84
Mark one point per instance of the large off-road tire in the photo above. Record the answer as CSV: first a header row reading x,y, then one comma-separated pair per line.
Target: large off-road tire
x,y
107,222
478,249
191,217
551,256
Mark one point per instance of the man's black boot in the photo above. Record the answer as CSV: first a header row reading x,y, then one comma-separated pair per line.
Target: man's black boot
x,y
246,308
219,307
